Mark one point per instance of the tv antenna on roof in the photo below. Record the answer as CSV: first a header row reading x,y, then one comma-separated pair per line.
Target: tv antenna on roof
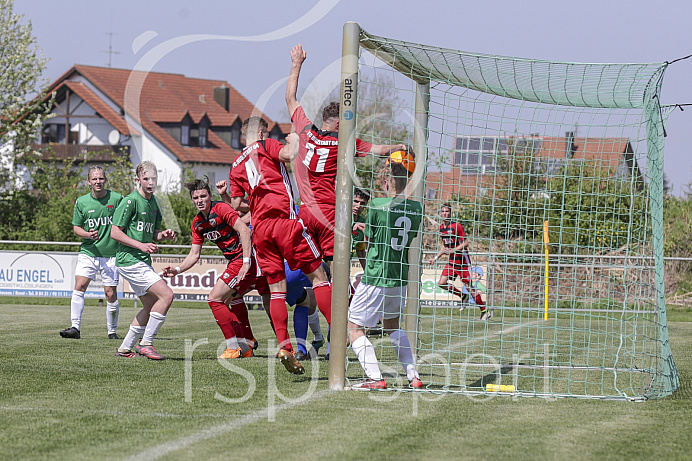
x,y
110,43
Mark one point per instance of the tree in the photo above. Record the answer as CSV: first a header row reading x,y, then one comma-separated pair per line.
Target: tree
x,y
21,64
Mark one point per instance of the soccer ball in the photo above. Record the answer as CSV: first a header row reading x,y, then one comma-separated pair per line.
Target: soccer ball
x,y
407,159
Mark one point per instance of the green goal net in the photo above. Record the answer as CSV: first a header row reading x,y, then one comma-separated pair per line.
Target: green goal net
x,y
555,172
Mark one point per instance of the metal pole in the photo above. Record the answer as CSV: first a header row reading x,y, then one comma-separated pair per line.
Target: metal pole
x,y
344,199
417,192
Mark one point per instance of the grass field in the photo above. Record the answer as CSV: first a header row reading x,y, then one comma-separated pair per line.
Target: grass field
x,y
72,399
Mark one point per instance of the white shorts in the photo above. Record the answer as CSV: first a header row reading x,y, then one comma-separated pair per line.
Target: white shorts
x,y
89,266
140,276
370,303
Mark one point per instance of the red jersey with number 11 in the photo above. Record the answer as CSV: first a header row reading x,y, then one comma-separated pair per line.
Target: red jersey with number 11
x,y
259,173
315,166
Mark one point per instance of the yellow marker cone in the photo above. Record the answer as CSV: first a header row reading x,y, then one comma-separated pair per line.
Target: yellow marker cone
x,y
500,388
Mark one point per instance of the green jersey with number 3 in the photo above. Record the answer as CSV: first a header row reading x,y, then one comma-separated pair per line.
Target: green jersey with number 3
x,y
139,218
391,225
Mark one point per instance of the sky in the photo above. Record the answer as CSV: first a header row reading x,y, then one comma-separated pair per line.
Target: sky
x,y
248,43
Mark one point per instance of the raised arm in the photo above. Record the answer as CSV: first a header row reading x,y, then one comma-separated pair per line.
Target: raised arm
x,y
297,57
386,149
290,150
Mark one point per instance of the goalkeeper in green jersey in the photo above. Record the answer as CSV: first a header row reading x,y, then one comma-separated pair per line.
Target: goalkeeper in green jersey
x,y
391,224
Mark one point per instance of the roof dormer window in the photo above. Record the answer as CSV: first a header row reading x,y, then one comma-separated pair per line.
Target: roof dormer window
x,y
203,132
185,132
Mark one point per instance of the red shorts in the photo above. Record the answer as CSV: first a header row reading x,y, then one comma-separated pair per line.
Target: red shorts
x,y
276,239
249,282
454,270
320,224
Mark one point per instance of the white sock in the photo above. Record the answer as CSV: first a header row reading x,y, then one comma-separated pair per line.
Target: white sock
x,y
244,346
153,326
315,327
232,343
366,356
76,308
112,310
402,346
131,338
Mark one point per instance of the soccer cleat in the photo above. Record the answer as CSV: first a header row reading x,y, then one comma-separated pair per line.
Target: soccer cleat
x,y
462,308
415,383
487,314
113,336
127,354
317,344
326,356
249,353
252,343
300,356
290,363
148,352
231,354
71,332
370,384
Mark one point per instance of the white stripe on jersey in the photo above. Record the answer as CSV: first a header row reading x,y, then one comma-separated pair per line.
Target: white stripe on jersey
x,y
289,191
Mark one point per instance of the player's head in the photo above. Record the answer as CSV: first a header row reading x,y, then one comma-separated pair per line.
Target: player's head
x,y
330,116
147,177
254,128
200,193
96,178
393,178
446,211
360,200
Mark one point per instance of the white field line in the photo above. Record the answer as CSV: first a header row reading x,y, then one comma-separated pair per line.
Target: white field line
x,y
24,409
160,450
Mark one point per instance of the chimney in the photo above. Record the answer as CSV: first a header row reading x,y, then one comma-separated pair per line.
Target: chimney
x,y
221,94
570,148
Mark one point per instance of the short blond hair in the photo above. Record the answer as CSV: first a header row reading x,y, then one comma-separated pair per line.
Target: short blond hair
x,y
145,166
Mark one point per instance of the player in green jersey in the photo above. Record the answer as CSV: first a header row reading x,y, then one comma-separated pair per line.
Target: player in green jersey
x,y
391,224
360,201
91,220
136,226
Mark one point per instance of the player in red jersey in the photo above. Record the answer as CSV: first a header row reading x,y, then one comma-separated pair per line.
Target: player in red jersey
x,y
315,168
278,234
455,244
219,222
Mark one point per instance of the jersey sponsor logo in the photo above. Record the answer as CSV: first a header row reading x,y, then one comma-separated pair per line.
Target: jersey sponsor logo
x,y
91,211
213,235
212,221
145,227
103,221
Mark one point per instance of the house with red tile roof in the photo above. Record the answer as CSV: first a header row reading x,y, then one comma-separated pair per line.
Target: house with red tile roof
x,y
175,121
475,168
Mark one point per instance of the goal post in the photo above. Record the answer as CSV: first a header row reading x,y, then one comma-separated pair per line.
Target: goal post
x,y
510,144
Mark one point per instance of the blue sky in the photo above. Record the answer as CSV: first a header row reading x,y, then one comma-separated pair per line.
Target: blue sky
x,y
176,36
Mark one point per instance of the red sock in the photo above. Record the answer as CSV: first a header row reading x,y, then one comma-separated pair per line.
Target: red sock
x,y
279,316
454,290
224,317
323,296
478,299
239,308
